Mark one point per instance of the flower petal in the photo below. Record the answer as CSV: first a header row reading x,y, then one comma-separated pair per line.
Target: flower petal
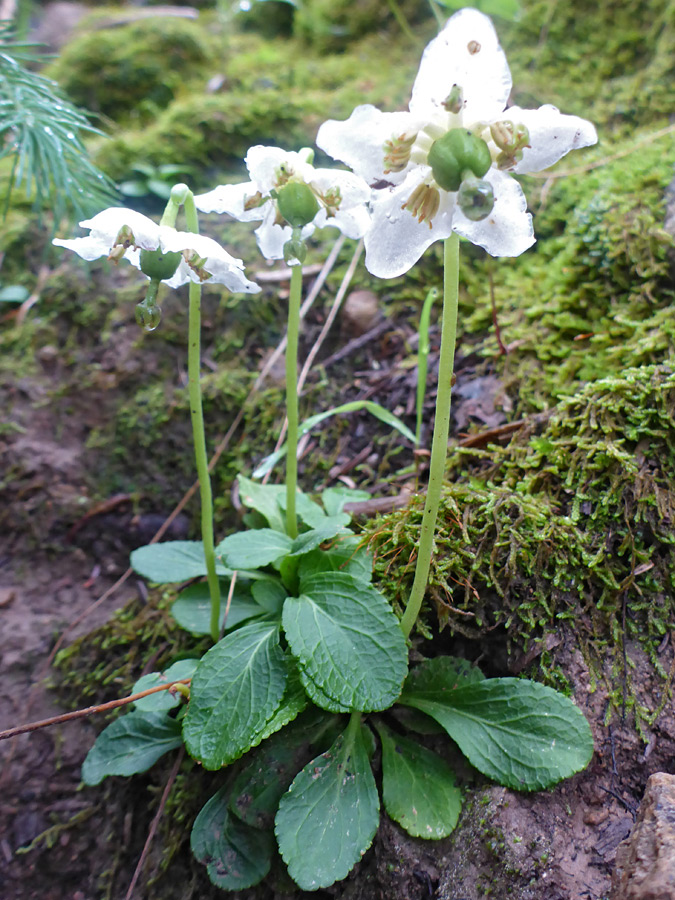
x,y
223,268
396,240
466,53
231,199
508,230
352,216
104,228
272,237
359,140
264,163
552,135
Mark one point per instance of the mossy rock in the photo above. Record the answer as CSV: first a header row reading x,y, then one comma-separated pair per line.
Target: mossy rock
x,y
572,520
132,70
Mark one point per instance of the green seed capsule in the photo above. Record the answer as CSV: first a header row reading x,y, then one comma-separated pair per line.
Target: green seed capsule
x,y
455,153
159,265
297,204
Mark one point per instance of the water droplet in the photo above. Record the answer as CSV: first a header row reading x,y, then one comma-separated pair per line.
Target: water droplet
x,y
148,316
48,130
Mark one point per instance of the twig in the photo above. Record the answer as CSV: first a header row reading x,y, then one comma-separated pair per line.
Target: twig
x,y
88,711
356,343
155,823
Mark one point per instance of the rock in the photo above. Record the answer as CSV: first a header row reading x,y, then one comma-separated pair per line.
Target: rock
x,y
360,312
645,861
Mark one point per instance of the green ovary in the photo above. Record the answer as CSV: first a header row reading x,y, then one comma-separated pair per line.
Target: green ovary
x,y
455,153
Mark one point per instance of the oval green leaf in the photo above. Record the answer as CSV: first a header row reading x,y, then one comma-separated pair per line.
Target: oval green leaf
x,y
522,734
172,561
418,787
328,818
131,744
236,856
237,688
347,640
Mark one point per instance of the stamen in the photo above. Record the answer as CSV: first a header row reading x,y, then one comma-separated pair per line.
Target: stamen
x,y
423,203
397,152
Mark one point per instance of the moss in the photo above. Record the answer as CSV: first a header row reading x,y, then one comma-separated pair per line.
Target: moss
x,y
618,68
597,295
572,521
133,70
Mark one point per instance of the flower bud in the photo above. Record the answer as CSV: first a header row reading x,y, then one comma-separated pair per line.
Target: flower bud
x,y
455,153
476,199
297,204
158,265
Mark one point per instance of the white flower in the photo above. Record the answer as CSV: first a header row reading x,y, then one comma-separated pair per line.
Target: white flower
x,y
463,84
119,233
341,198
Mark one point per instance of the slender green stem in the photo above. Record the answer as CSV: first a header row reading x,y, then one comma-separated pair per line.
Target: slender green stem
x,y
439,446
292,399
198,435
439,18
422,360
401,19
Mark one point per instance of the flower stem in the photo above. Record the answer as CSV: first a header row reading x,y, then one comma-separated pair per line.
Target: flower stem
x,y
292,399
439,446
198,435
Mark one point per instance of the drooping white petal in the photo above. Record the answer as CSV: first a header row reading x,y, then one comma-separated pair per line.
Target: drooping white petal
x,y
359,140
148,235
465,53
223,268
231,199
552,135
352,216
507,230
104,229
396,240
272,237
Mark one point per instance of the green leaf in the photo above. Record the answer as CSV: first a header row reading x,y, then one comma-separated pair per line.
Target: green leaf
x,y
345,555
310,540
172,561
192,609
235,691
348,641
253,549
163,700
131,744
448,671
317,696
293,703
259,786
418,787
521,734
353,406
270,595
308,511
14,293
263,498
335,498
236,856
328,818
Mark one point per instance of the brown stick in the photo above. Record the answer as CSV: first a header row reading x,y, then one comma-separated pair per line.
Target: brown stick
x,y
88,711
155,823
